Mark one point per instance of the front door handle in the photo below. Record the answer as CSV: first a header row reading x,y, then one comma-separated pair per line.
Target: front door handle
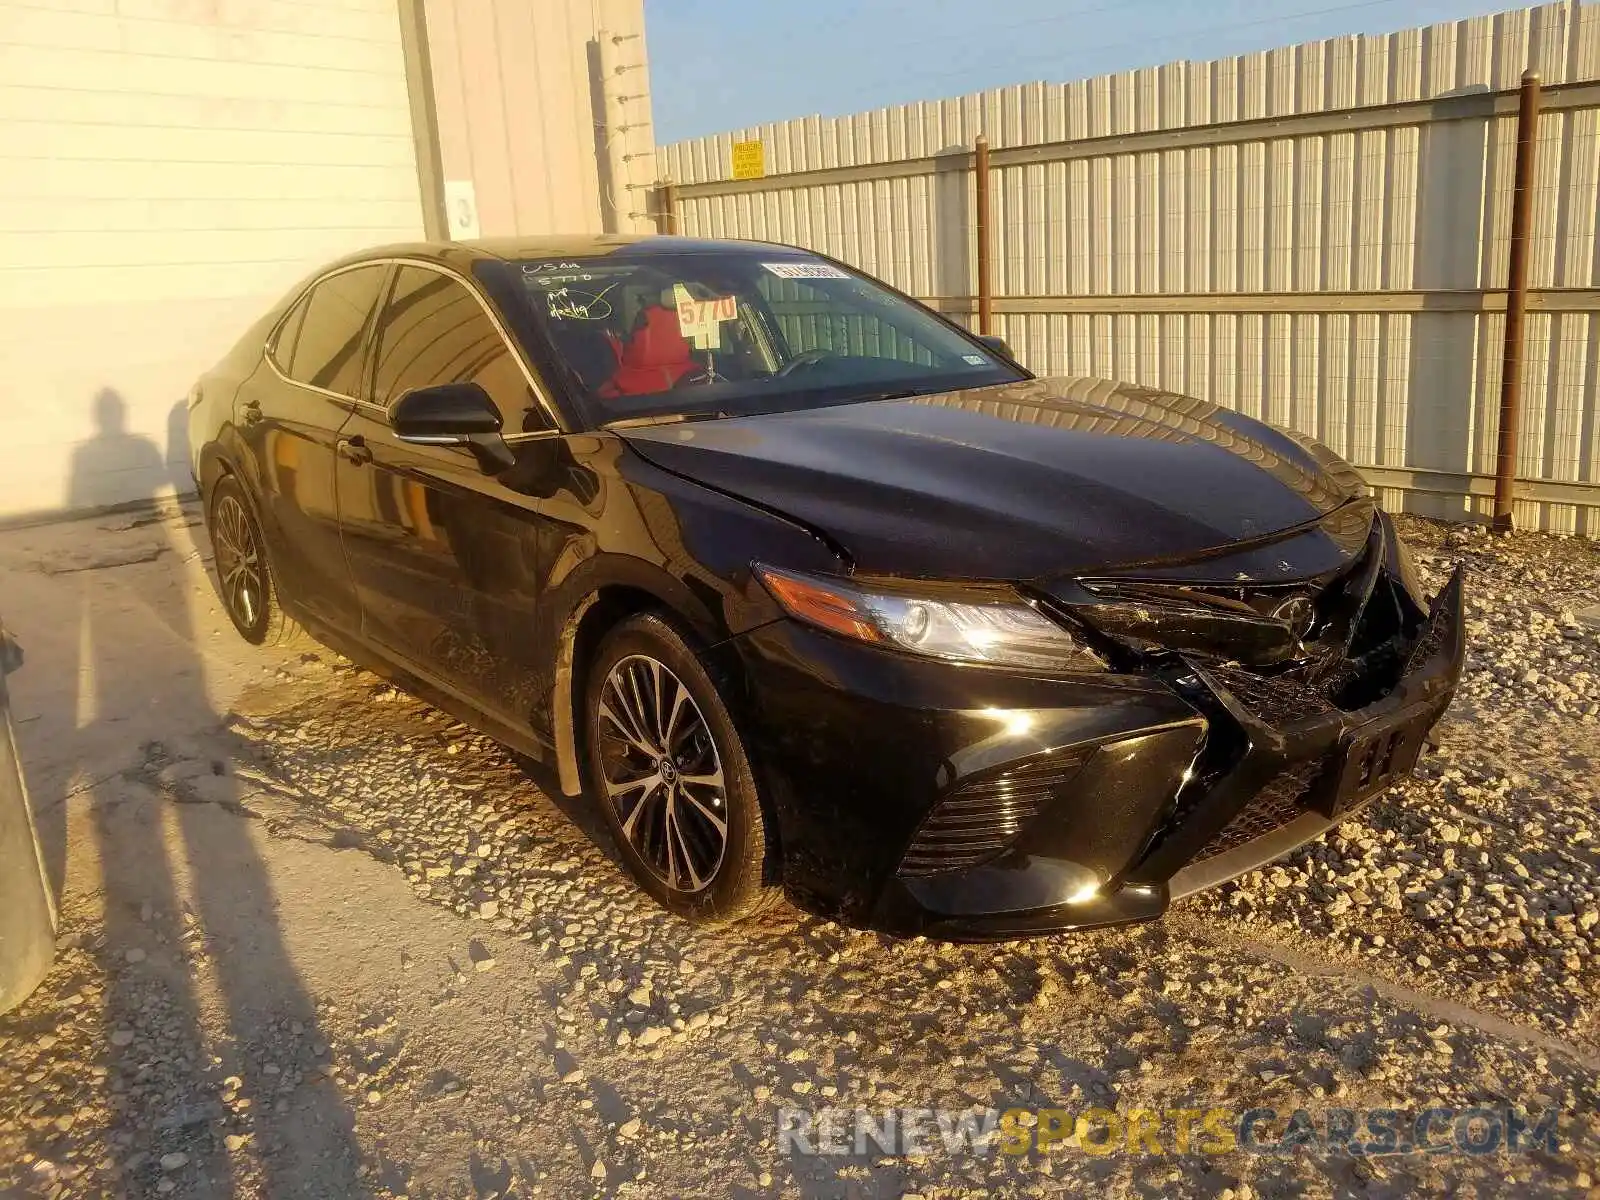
x,y
353,450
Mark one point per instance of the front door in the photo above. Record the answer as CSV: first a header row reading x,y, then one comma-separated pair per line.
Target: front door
x,y
289,413
444,557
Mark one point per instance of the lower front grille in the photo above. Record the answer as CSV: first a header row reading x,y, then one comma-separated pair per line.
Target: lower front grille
x,y
1441,626
1277,700
975,820
1280,802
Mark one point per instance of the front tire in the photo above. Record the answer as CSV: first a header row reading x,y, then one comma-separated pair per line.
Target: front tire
x,y
670,773
244,574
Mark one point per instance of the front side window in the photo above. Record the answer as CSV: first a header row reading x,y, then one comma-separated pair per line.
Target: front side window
x,y
433,331
644,333
327,351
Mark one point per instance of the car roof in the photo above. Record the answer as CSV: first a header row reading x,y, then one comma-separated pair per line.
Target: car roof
x,y
554,246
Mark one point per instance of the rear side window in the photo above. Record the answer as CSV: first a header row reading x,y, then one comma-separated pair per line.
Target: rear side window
x,y
282,348
327,351
434,330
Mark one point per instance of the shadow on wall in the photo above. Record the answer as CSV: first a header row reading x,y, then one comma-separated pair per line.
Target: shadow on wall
x,y
113,466
179,473
118,467
161,828
1449,350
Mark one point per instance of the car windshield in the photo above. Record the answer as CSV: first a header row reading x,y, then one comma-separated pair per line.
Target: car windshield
x,y
686,334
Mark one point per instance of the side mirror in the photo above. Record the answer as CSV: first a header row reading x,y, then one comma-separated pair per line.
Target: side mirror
x,y
453,414
999,345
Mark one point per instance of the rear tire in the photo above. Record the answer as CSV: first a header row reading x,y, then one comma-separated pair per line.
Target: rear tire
x,y
244,573
672,778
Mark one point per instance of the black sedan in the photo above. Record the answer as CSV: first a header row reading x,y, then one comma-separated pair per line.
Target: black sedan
x,y
812,591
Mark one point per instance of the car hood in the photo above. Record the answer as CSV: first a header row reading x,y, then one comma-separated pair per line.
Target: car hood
x,y
1028,480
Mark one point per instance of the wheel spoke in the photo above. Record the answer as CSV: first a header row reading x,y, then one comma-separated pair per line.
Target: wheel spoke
x,y
624,709
652,782
685,855
713,780
669,732
623,706
629,734
669,843
639,708
709,814
622,789
653,686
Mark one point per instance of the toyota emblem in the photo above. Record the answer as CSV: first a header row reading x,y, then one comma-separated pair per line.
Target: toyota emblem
x,y
1298,614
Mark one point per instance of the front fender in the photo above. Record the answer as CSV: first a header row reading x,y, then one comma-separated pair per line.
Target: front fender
x,y
658,541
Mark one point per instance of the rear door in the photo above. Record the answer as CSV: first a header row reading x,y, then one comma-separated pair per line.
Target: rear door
x,y
289,414
444,557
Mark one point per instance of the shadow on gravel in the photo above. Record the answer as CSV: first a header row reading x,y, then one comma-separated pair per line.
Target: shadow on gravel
x,y
579,810
210,1042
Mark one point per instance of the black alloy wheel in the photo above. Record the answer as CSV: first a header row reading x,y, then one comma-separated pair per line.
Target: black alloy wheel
x,y
671,775
244,576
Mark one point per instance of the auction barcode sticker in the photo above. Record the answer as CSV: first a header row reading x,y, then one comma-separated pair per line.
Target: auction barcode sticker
x,y
805,270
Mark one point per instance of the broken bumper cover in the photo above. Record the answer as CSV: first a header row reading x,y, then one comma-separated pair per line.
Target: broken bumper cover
x,y
1298,781
916,797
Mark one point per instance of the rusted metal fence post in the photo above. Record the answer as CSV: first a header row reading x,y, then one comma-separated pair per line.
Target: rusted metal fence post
x,y
1505,463
980,167
667,207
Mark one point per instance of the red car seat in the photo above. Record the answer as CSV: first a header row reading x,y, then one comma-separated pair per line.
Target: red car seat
x,y
653,359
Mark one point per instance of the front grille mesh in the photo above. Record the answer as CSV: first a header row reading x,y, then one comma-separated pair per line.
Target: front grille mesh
x,y
978,818
1280,802
1317,688
1432,640
1277,700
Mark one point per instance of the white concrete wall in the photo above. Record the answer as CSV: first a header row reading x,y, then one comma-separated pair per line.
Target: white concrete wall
x,y
167,168
517,86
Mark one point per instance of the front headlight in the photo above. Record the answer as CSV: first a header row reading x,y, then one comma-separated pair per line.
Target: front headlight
x,y
993,625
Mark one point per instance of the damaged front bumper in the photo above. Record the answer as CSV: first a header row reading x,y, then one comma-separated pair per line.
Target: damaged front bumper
x,y
1290,784
1299,780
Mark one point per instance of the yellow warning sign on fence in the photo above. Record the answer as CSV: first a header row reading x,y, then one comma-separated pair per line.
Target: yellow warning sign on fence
x,y
749,160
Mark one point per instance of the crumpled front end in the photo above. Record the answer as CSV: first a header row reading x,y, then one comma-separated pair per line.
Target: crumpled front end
x,y
1243,709
1318,694
1315,691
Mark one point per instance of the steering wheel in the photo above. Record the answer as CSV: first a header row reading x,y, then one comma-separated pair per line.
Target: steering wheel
x,y
806,358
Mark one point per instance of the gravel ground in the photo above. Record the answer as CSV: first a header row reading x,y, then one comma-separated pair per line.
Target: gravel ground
x,y
441,985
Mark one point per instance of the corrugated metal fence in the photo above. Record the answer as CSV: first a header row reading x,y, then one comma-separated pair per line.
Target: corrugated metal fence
x,y
1316,235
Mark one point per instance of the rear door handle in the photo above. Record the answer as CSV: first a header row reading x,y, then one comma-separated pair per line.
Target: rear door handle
x,y
353,450
252,412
